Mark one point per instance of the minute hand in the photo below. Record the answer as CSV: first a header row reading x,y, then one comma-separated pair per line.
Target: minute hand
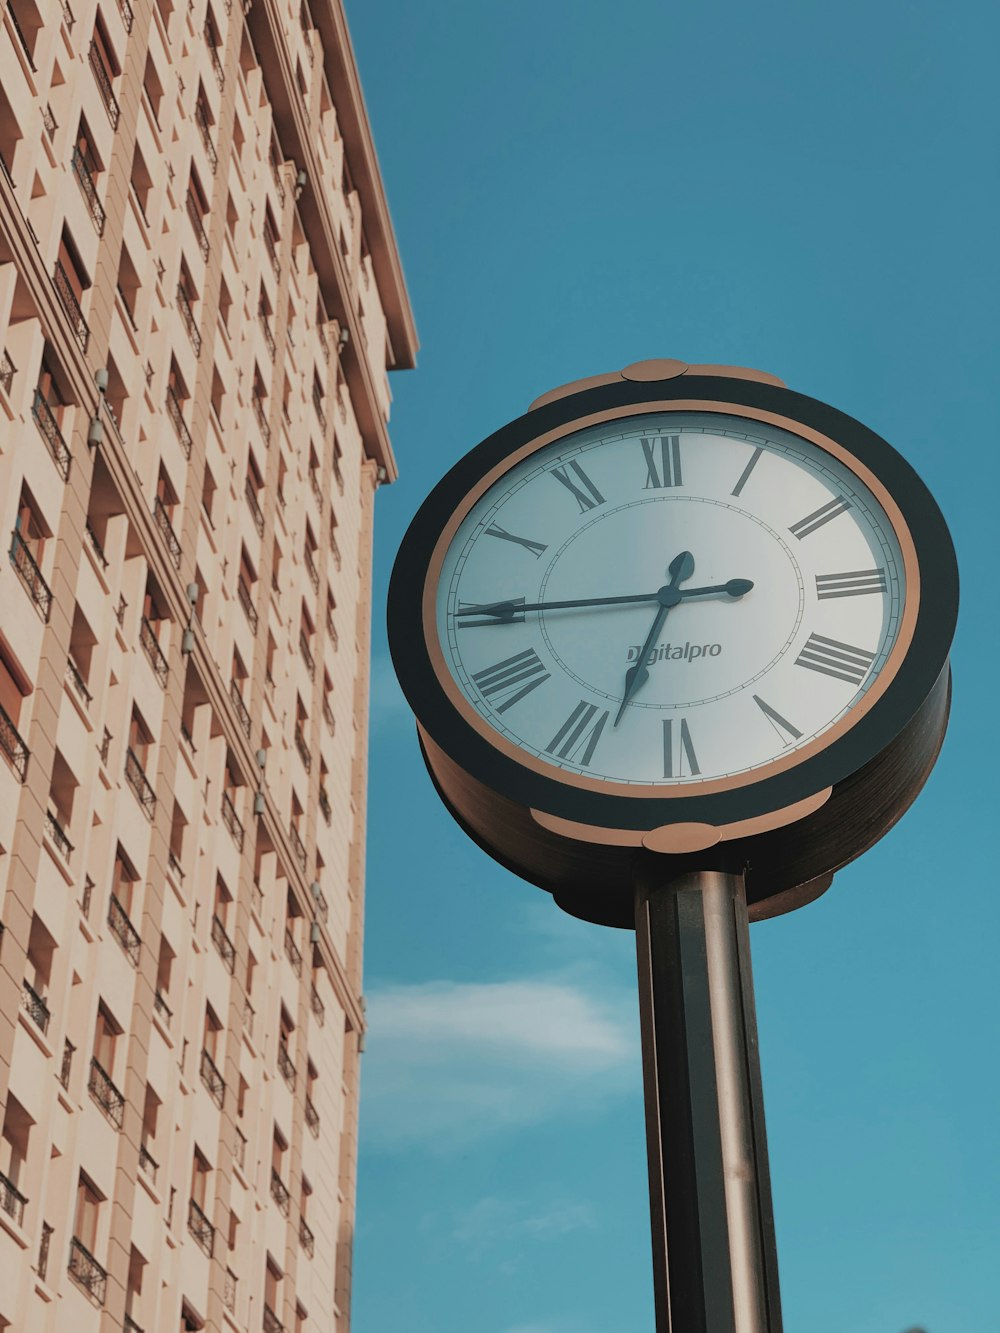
x,y
506,610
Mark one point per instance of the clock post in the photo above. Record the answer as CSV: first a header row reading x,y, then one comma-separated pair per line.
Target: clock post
x,y
676,641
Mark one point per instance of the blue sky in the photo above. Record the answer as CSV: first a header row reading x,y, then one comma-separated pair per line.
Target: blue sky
x,y
812,190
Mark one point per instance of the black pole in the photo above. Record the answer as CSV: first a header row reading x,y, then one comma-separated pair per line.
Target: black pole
x,y
715,1266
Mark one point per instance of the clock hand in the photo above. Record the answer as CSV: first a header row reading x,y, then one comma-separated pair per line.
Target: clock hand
x,y
681,567
504,612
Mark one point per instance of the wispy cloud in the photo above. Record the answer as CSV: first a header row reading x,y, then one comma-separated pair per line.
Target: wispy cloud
x,y
450,1062
495,1219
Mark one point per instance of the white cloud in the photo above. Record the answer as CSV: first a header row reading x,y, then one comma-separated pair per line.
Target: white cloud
x,y
495,1219
450,1062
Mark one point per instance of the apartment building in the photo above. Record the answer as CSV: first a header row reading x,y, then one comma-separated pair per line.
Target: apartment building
x,y
200,299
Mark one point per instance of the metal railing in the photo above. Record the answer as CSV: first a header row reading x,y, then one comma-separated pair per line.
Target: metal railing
x,y
7,371
105,1094
12,1201
224,945
201,1228
177,417
195,215
261,415
96,546
312,1118
31,576
318,407
286,1066
229,1291
240,706
153,651
49,427
317,1006
293,952
279,1191
271,1323
243,593
248,1017
87,1271
298,847
78,682
306,652
338,475
174,865
302,747
66,1067
57,833
231,820
187,314
130,1326
125,9
136,778
331,631
103,79
161,1007
43,1250
268,335
335,550
20,36
324,805
34,1006
241,1150
219,72
254,506
272,253
147,1162
206,136
322,906
67,14
13,746
317,489
328,718
49,121
310,564
84,175
166,528
277,182
123,930
306,1238
212,1079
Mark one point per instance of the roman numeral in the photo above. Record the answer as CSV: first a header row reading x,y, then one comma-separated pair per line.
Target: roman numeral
x,y
536,548
780,724
468,622
815,520
583,728
745,474
834,658
666,472
511,679
590,496
854,584
678,750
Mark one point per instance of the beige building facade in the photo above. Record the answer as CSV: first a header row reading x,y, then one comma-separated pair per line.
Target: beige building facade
x,y
200,299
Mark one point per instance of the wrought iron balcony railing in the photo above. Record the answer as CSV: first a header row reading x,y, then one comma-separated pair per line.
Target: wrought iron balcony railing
x,y
123,930
147,1162
331,631
286,1065
311,570
231,820
298,847
249,610
7,371
240,706
248,1017
52,435
312,1118
166,528
324,805
317,398
13,746
180,425
240,1153
306,652
161,1007
103,79
20,35
130,1326
31,576
229,1291
212,1079
76,679
338,475
277,182
137,780
201,1228
105,1094
195,215
66,1067
272,1324
206,136
268,335
57,833
218,71
322,907
187,314
272,253
279,1192
12,1201
84,175
43,1251
153,651
34,1006
306,1238
254,506
125,9
87,1271
293,952
335,550
96,546
316,488
261,415
317,1005
328,718
302,747
224,945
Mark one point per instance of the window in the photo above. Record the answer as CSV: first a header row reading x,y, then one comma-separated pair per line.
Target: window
x,y
106,1033
153,89
199,1179
88,1204
142,182
128,284
139,739
123,880
17,1126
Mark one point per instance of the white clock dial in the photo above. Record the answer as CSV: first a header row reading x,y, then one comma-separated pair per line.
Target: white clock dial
x,y
775,623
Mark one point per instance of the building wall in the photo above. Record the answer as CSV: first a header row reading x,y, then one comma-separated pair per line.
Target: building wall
x,y
200,298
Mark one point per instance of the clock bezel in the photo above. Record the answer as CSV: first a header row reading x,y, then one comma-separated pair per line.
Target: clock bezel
x,y
908,675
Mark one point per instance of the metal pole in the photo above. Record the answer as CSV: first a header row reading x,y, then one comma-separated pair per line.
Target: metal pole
x,y
715,1267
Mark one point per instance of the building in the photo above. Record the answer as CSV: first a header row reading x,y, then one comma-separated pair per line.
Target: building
x,y
200,297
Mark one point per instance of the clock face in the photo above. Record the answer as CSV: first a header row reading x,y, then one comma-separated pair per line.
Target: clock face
x,y
669,599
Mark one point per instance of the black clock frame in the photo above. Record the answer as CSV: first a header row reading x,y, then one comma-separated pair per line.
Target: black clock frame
x,y
888,751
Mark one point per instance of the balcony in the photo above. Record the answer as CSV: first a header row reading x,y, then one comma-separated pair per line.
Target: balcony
x,y
162,1008
272,1324
338,476
137,780
261,415
12,1201
75,678
317,1006
317,398
218,71
331,631
317,489
195,215
85,1269
96,546
7,371
306,653
52,435
302,747
297,846
212,1079
268,335
254,506
293,952
306,1238
123,930
272,253
322,907
279,1192
248,1017
240,1152
151,647
277,183
31,576
240,706
229,1291
206,136
312,1118
324,805
147,1162
224,945
328,718
85,177
187,314
231,820
103,79
125,9
130,1326
286,1065
166,528
35,1007
57,834
335,550
311,570
177,417
66,1065
201,1228
106,1095
243,593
